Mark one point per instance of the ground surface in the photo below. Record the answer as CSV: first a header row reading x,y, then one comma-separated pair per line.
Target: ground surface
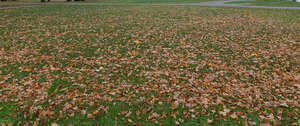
x,y
10,4
220,3
149,65
151,1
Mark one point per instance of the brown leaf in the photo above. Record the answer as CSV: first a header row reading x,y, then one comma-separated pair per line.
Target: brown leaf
x,y
28,69
35,123
209,120
174,105
95,112
90,116
83,112
234,116
80,77
267,124
297,77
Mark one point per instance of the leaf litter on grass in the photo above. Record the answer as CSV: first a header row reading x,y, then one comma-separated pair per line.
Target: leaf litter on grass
x,y
191,62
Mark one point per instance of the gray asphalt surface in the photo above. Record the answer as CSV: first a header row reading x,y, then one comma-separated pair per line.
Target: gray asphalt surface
x,y
212,3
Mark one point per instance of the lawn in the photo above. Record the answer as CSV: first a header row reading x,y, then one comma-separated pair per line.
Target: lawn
x,y
110,1
14,4
151,1
18,3
149,65
280,3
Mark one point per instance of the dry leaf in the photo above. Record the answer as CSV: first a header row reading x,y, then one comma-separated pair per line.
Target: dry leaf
x,y
137,41
28,69
83,112
253,54
52,69
297,77
90,116
129,120
95,112
54,124
233,115
175,105
267,124
209,120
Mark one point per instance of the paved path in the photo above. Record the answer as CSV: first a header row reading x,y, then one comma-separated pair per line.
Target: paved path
x,y
212,3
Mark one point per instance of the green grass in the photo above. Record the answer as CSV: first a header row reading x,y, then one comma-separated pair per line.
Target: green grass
x,y
151,1
22,2
280,3
7,113
149,65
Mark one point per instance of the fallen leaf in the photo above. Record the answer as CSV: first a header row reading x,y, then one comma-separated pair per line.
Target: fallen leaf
x,y
52,69
267,124
297,77
253,54
35,123
83,112
234,116
54,124
209,120
129,120
128,114
28,69
137,41
90,116
284,105
95,112
297,85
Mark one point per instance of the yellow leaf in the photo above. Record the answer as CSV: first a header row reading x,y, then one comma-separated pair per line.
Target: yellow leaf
x,y
129,120
52,68
253,54
35,123
54,124
137,41
128,114
267,124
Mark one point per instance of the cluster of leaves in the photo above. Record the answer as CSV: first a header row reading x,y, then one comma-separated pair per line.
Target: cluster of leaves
x,y
137,65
